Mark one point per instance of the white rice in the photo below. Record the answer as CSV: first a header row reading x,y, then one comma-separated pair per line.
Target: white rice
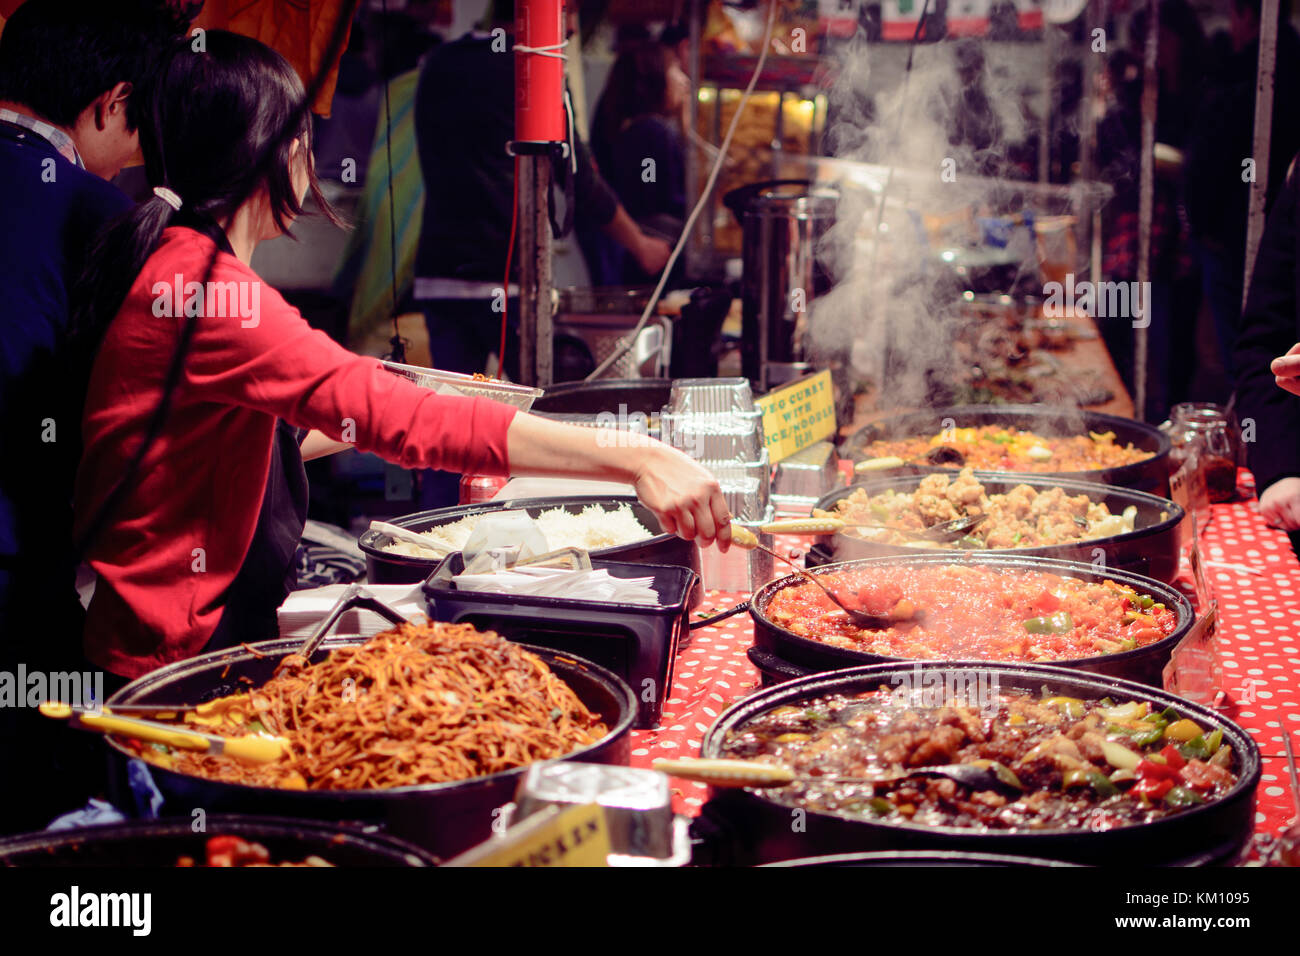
x,y
592,529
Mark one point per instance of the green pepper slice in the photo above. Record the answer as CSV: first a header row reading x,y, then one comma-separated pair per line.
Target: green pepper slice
x,y
1058,623
1183,797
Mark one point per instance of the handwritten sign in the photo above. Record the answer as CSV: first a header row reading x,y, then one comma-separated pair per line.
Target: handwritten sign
x,y
577,836
797,415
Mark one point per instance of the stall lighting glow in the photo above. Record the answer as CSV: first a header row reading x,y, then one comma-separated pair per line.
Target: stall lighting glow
x,y
947,255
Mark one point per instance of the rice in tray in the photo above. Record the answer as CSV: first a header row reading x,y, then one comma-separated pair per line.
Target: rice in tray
x,y
591,529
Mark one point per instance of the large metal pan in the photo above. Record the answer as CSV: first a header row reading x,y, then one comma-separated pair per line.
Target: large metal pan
x,y
1151,475
163,842
444,818
746,827
1144,664
1151,549
385,567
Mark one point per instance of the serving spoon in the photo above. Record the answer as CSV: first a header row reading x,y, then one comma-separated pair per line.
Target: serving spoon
x,y
744,538
752,773
947,530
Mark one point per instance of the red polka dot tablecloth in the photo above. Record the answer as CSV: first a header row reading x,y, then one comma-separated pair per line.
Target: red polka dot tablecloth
x,y
1255,577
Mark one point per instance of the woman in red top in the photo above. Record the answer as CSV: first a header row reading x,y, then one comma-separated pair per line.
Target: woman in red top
x,y
168,545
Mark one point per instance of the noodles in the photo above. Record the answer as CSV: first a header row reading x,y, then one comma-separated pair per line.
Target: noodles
x,y
418,704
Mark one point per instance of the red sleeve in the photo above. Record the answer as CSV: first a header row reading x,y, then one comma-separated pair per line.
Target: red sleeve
x,y
264,355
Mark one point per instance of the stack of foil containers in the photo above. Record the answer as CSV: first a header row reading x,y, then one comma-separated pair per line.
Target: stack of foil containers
x,y
715,422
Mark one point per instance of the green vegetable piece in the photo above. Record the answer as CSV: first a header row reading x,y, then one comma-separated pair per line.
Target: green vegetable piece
x,y
1102,785
1214,741
1143,738
880,806
1183,797
1146,601
1006,775
1196,748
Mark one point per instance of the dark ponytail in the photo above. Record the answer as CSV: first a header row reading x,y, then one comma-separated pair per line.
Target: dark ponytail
x,y
206,117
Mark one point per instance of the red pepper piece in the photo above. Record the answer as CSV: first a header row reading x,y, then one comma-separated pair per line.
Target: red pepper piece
x,y
1149,770
1173,757
1200,775
1152,788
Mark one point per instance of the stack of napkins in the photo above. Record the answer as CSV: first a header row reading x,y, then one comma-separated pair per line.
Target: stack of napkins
x,y
303,610
589,585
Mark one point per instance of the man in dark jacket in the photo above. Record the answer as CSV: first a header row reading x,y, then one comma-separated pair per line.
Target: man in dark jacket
x,y
464,116
68,69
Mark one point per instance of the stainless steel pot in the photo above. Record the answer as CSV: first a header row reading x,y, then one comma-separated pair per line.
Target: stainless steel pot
x,y
782,221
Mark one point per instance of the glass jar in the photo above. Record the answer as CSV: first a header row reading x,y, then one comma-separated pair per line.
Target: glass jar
x,y
1209,434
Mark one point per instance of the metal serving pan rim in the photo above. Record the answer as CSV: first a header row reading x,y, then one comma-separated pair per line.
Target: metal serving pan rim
x,y
1162,442
1246,749
1183,607
615,684
366,541
1035,480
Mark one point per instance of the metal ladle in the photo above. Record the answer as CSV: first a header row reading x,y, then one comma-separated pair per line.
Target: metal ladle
x,y
744,538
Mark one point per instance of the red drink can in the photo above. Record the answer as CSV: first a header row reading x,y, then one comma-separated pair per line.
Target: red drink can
x,y
477,488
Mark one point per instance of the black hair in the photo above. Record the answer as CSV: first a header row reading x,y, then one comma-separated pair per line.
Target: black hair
x,y
57,56
206,118
637,84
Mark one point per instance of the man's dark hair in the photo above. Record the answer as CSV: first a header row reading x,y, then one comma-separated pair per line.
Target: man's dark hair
x,y
57,56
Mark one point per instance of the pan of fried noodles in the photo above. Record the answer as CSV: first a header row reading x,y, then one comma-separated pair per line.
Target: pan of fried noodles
x,y
423,728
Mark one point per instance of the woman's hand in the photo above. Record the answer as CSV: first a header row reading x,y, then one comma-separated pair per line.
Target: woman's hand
x,y
1280,504
683,495
1286,368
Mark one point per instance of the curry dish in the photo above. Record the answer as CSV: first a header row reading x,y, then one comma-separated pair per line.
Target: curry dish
x,y
1022,517
1050,762
996,448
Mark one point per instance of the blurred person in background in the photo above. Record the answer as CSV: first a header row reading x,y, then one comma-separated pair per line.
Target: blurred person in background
x,y
69,72
636,137
1267,359
1175,283
464,116
1220,140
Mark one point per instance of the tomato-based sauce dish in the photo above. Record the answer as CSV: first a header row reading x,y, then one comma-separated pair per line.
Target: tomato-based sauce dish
x,y
973,612
1012,760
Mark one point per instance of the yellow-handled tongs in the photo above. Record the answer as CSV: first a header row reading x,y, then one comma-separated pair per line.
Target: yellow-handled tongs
x,y
254,748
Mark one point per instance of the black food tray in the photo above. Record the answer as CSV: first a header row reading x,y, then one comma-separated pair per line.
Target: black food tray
x,y
638,642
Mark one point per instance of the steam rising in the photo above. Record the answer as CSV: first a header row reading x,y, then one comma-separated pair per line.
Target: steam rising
x,y
947,129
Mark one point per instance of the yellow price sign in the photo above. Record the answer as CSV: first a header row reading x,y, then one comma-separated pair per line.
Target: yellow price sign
x,y
798,415
577,836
